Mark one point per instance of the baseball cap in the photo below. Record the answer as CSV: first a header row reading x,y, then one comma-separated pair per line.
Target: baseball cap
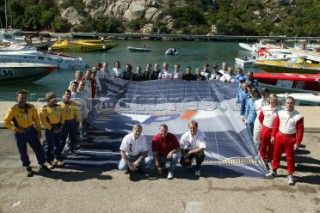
x,y
264,89
241,78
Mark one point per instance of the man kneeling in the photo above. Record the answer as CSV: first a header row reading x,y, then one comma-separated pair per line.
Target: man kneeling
x,y
193,144
134,151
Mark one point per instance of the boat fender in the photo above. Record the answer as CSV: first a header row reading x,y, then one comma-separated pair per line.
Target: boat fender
x,y
59,60
104,47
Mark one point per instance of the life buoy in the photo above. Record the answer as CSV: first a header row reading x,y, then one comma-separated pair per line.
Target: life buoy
x,y
59,60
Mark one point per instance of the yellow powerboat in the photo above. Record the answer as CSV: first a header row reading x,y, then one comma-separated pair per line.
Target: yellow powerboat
x,y
82,46
294,65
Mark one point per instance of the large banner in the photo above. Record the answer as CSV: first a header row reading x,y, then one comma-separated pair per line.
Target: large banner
x,y
230,149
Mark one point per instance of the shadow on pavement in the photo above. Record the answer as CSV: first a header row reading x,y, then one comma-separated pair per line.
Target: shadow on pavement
x,y
78,175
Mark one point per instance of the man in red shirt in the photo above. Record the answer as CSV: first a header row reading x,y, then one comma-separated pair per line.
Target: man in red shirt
x,y
165,147
287,134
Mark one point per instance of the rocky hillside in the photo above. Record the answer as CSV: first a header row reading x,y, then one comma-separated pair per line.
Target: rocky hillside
x,y
234,17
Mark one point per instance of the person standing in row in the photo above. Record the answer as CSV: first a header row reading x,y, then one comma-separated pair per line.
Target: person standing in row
x,y
287,134
188,76
51,119
266,117
251,110
192,144
165,73
23,119
257,128
134,151
165,147
71,120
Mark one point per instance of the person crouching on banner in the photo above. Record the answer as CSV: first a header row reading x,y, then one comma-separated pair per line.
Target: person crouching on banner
x,y
51,119
193,144
165,147
23,119
134,151
266,117
287,134
71,121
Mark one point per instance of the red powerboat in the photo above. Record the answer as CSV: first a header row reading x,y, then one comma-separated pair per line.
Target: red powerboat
x,y
290,81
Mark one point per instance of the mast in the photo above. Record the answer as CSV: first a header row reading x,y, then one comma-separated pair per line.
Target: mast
x,y
5,13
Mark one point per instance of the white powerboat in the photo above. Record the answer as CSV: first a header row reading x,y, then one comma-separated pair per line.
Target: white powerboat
x,y
59,60
171,51
139,49
21,72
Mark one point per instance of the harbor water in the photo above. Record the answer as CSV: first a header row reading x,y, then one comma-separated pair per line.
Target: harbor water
x,y
190,53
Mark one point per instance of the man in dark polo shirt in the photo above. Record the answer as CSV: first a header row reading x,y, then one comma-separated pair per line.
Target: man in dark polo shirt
x,y
165,147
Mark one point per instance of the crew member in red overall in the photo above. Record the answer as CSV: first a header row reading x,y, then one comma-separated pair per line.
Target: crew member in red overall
x,y
266,117
287,134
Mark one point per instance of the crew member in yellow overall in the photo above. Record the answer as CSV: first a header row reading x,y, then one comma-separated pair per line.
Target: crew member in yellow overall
x,y
51,118
71,120
23,119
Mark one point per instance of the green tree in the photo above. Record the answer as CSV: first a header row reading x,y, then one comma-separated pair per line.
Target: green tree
x,y
61,25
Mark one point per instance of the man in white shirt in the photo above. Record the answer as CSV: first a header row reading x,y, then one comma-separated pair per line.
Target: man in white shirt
x,y
165,73
192,145
134,151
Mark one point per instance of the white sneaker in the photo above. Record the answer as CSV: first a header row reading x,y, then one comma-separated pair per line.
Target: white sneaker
x,y
197,173
290,180
271,174
170,175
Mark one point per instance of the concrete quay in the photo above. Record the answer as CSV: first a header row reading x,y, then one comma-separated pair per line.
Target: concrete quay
x,y
70,189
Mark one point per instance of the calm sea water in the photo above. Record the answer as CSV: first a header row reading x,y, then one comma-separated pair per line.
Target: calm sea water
x,y
191,53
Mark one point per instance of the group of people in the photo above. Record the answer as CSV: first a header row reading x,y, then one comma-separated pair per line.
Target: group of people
x,y
59,120
272,129
154,72
165,148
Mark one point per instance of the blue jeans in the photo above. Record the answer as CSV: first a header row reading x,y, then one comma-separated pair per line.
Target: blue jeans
x,y
250,127
145,164
163,160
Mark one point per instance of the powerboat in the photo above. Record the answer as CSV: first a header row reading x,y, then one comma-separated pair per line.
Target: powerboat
x,y
294,65
312,99
171,51
21,72
139,49
264,54
59,60
82,46
289,81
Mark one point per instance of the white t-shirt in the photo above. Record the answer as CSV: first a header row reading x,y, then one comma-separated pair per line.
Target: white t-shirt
x,y
116,72
132,146
177,75
191,143
165,75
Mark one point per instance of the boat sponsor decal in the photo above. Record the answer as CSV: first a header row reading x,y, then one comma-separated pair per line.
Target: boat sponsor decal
x,y
284,83
7,72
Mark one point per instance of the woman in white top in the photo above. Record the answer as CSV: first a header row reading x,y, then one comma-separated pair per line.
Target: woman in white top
x,y
116,70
